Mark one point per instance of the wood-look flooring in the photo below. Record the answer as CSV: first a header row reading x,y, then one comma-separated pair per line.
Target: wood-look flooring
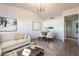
x,y
58,48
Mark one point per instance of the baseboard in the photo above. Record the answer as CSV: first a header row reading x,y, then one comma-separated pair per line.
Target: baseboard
x,y
72,37
60,40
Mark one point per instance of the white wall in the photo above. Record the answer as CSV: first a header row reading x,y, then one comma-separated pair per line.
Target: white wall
x,y
78,29
24,19
58,24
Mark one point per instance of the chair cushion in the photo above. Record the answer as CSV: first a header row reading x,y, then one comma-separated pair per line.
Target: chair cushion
x,y
50,35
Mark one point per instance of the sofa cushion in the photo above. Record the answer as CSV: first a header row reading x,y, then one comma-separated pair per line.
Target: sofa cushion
x,y
8,43
7,37
21,41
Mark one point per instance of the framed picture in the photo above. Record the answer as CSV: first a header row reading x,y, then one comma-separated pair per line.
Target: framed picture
x,y
36,26
7,24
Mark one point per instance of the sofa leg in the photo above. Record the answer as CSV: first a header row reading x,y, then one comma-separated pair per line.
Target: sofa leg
x,y
40,38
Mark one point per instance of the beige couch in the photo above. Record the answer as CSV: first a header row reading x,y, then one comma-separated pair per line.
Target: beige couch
x,y
8,42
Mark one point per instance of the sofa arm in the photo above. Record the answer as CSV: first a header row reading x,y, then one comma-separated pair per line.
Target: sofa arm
x,y
29,38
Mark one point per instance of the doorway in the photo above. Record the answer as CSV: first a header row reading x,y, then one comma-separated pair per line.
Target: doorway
x,y
71,28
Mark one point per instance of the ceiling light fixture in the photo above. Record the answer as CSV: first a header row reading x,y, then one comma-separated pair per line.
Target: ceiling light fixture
x,y
40,7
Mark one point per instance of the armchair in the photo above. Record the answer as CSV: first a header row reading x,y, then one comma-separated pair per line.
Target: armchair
x,y
50,35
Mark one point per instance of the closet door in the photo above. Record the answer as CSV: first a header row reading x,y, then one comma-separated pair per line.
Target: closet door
x,y
72,32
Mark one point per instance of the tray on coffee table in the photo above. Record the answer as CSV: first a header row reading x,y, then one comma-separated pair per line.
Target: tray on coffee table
x,y
34,52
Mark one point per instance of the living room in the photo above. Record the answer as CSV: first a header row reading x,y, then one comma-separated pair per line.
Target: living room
x,y
29,21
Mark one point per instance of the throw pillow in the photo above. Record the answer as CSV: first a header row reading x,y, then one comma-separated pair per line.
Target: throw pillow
x,y
20,36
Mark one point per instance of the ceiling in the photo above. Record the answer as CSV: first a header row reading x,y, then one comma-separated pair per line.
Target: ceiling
x,y
51,9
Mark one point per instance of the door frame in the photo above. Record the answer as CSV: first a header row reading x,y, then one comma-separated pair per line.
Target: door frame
x,y
65,25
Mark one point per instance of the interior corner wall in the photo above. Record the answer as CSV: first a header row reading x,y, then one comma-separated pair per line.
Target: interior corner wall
x,y
24,19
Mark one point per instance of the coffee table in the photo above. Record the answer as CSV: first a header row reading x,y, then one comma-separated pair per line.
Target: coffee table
x,y
34,52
